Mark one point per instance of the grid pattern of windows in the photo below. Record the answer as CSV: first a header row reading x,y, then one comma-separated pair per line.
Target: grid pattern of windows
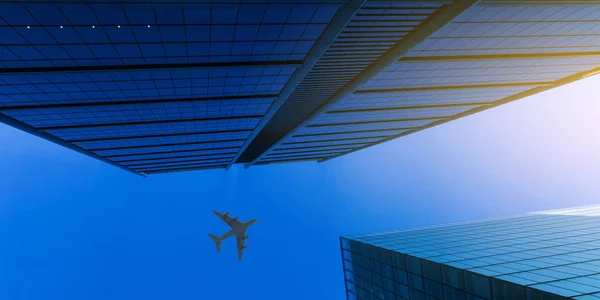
x,y
362,127
76,34
176,166
172,154
374,29
161,140
400,114
519,29
160,111
323,147
536,256
112,86
117,131
425,98
346,135
409,73
175,159
152,79
489,54
314,154
330,142
170,148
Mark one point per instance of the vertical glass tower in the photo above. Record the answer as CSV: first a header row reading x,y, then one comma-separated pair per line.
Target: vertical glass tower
x,y
543,256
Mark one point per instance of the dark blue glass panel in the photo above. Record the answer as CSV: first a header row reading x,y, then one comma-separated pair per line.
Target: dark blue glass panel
x,y
34,35
169,14
453,277
64,35
207,152
415,282
154,129
262,32
72,116
417,295
11,37
147,150
432,270
402,290
477,284
324,14
47,14
453,294
197,14
178,159
302,13
413,265
110,14
434,289
141,85
16,14
251,13
224,14
188,164
79,14
26,52
53,52
277,13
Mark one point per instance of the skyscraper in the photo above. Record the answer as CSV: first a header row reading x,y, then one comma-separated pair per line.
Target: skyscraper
x,y
164,86
543,256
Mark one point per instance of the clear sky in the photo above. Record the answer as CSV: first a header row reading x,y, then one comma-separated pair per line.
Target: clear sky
x,y
75,228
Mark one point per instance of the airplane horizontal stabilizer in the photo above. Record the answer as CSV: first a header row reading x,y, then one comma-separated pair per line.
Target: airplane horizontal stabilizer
x,y
216,240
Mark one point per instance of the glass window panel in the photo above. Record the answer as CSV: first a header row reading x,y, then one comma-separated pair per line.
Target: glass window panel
x,y
276,13
169,14
415,281
477,284
434,289
504,290
302,13
387,271
413,265
345,244
16,14
388,284
402,290
324,13
400,276
453,277
377,279
453,294
432,270
251,13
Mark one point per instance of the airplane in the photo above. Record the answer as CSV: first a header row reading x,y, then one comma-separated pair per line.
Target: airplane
x,y
237,228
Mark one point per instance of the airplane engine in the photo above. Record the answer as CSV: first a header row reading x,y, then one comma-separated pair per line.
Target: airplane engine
x,y
235,218
245,246
226,214
247,236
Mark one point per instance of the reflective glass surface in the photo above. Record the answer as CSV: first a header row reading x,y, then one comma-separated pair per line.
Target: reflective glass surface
x,y
547,255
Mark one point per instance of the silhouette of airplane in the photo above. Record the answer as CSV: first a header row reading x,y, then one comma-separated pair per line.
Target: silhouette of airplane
x,y
237,228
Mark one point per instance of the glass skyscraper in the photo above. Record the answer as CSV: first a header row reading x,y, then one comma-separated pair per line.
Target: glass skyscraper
x,y
167,86
542,256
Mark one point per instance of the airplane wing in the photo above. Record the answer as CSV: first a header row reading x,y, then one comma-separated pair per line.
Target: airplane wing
x,y
224,217
240,245
227,235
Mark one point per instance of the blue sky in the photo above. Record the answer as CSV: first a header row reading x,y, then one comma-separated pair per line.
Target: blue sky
x,y
75,228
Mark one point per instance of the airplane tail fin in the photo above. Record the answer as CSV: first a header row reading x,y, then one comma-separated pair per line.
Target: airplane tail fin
x,y
216,240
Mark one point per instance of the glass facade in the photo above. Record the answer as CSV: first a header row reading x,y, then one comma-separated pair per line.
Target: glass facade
x,y
207,84
485,53
540,256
